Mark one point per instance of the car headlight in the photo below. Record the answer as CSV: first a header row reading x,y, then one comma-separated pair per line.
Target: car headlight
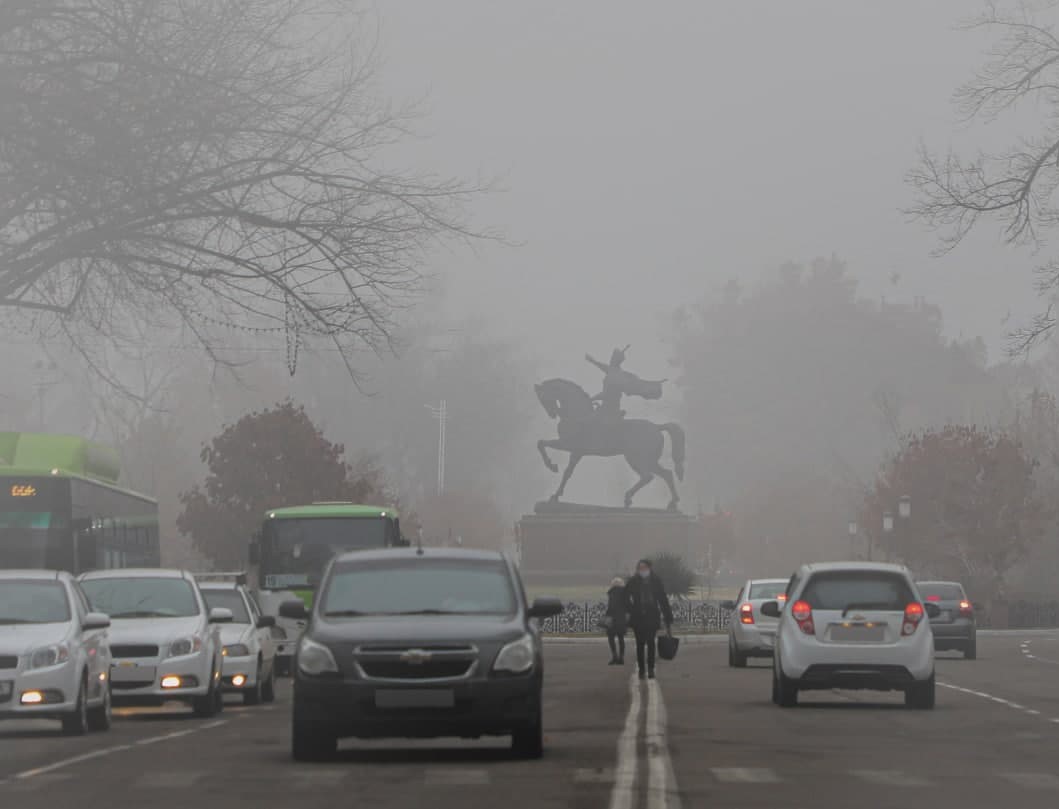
x,y
185,646
517,657
48,656
315,658
236,650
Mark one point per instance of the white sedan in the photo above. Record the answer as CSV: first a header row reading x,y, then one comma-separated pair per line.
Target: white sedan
x,y
54,656
751,634
249,666
164,640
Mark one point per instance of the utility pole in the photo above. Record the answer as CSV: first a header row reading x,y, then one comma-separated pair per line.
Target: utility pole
x,y
440,412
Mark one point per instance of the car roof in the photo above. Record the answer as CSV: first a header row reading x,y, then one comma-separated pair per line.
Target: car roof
x,y
938,581
411,554
220,585
137,573
855,567
35,575
767,581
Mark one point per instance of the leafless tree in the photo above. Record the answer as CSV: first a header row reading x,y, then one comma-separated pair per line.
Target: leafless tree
x,y
207,165
1016,187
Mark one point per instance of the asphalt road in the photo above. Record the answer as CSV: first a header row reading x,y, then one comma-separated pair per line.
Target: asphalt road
x,y
702,735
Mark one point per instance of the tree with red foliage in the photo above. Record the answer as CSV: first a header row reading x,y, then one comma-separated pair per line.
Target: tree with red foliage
x,y
974,508
269,459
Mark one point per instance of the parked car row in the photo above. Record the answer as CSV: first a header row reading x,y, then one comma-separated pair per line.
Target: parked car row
x,y
851,625
71,648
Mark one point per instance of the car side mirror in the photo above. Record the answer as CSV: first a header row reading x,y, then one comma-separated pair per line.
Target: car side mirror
x,y
932,609
295,610
220,615
771,609
95,620
266,622
728,604
546,607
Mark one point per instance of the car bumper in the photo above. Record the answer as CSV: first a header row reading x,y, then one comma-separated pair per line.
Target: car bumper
x,y
483,707
57,686
754,640
141,680
948,634
845,665
235,668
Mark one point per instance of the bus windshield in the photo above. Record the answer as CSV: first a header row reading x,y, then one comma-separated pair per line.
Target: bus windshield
x,y
297,550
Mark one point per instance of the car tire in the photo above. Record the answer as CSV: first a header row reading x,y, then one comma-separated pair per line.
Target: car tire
x,y
736,659
970,651
310,742
254,695
786,692
211,704
100,717
268,690
76,722
527,742
920,696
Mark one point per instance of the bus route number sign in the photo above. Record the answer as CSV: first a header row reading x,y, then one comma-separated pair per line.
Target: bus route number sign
x,y
23,490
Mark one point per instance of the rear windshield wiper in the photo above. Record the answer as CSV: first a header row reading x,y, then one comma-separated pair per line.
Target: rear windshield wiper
x,y
869,605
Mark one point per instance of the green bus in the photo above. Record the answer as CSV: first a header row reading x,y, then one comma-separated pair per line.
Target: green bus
x,y
61,507
294,546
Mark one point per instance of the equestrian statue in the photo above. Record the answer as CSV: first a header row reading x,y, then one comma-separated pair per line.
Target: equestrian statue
x,y
596,425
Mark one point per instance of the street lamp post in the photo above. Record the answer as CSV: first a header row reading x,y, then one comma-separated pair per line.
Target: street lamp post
x,y
852,539
441,414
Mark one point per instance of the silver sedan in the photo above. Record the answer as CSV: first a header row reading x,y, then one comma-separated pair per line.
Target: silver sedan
x,y
751,634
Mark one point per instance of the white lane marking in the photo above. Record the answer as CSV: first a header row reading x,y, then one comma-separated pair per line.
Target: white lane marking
x,y
212,725
624,790
999,700
174,735
1032,780
745,775
891,778
66,762
461,777
661,780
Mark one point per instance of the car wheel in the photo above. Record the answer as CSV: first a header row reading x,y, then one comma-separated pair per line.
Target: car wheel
x,y
310,742
528,741
254,695
76,723
736,659
970,651
100,717
786,690
211,704
268,690
921,695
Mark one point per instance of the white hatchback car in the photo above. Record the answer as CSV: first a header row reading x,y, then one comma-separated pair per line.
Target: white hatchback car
x,y
751,634
54,656
853,625
164,640
249,666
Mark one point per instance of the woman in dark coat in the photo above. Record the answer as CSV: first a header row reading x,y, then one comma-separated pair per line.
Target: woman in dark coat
x,y
648,606
618,621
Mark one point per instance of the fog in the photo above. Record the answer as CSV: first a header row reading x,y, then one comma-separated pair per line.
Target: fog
x,y
641,159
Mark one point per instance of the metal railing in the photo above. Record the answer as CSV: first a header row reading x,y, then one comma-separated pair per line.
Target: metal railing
x,y
580,617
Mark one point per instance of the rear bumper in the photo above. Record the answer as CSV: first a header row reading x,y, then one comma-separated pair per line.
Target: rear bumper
x,y
753,640
855,677
946,635
495,706
874,665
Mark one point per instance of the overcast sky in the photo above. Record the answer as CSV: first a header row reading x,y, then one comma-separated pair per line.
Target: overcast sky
x,y
650,151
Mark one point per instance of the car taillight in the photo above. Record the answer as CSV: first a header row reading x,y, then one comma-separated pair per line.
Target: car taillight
x,y
933,598
966,609
913,615
781,597
746,613
803,614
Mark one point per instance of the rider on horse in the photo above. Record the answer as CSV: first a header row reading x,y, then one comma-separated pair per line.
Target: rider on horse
x,y
618,382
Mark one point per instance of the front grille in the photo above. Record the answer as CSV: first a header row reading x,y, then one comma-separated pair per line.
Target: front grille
x,y
432,670
130,685
133,650
8,662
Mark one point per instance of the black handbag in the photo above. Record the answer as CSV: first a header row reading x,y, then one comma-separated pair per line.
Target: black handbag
x,y
667,646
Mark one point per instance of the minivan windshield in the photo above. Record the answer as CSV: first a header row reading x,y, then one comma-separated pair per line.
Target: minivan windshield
x,y
33,602
141,597
854,589
419,587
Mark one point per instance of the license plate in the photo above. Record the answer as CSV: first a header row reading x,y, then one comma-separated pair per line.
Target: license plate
x,y
131,674
5,689
415,698
863,633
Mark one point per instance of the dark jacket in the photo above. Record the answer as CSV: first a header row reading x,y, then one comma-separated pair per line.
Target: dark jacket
x,y
618,609
647,603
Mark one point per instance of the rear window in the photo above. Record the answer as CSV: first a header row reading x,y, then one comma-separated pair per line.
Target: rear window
x,y
767,590
865,590
940,592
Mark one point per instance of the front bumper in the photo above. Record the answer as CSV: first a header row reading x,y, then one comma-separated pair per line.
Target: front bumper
x,y
481,707
141,679
57,685
239,667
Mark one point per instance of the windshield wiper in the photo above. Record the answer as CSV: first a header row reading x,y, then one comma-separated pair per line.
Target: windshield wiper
x,y
13,621
142,614
429,612
868,605
344,614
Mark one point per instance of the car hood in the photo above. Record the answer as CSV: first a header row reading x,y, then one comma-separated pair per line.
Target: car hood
x,y
418,629
153,630
19,639
234,633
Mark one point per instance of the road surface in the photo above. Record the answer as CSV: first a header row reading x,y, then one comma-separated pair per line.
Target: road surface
x,y
702,735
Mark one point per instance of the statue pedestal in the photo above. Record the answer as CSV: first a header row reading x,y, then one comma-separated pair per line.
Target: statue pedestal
x,y
576,545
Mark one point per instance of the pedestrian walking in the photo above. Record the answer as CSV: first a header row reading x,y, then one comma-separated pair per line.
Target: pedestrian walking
x,y
648,606
617,619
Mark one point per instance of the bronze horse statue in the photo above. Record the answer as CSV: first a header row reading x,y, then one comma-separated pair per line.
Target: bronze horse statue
x,y
583,431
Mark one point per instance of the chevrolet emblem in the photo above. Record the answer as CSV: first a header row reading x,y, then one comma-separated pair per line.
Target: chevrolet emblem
x,y
858,617
416,657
